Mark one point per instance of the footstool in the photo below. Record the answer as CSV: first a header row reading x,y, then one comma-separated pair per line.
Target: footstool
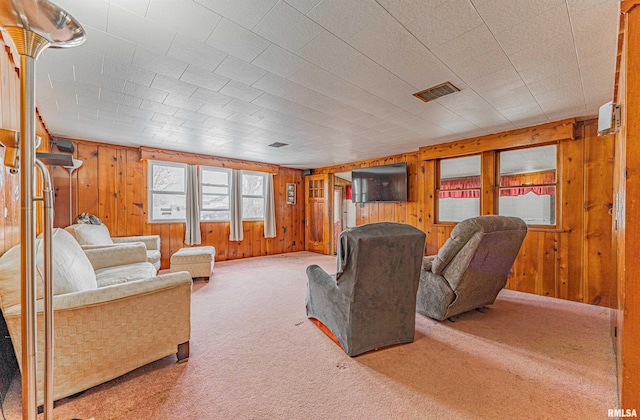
x,y
197,260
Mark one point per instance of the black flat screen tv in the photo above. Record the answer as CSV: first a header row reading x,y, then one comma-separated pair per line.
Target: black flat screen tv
x,y
380,183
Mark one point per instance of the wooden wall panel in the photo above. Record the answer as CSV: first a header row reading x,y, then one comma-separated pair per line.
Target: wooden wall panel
x,y
569,262
626,230
113,185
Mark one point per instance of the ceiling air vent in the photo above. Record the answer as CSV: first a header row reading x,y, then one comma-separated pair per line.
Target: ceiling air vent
x,y
436,92
278,144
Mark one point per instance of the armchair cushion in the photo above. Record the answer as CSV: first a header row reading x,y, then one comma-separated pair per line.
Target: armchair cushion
x,y
90,234
71,269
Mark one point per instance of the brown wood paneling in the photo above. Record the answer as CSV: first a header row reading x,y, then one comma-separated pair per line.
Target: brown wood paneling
x,y
545,133
113,186
571,285
551,261
626,210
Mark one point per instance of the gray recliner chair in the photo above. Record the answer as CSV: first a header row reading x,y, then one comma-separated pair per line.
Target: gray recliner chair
x,y
371,301
471,267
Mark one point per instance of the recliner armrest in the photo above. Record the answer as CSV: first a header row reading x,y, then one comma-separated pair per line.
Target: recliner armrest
x,y
111,256
427,262
152,242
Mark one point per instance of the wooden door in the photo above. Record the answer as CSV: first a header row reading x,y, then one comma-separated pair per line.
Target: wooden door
x,y
318,221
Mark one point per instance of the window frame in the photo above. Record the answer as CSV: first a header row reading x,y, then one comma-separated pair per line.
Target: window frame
x,y
263,196
202,184
438,184
151,191
556,185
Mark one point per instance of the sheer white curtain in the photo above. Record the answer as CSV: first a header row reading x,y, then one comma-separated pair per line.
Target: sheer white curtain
x,y
235,206
269,208
192,231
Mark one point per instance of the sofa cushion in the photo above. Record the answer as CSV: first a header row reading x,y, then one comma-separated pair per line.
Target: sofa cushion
x,y
72,270
124,273
10,278
87,234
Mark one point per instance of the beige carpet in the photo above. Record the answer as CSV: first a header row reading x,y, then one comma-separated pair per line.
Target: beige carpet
x,y
254,355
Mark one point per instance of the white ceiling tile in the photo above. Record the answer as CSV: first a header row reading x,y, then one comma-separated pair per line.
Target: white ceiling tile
x,y
215,111
144,92
446,22
279,61
287,27
274,84
203,78
237,41
158,107
108,45
194,20
407,11
157,63
240,71
244,12
303,6
240,91
189,104
500,18
92,13
190,115
196,53
132,27
241,106
168,119
138,7
135,112
344,18
327,51
211,97
171,85
417,66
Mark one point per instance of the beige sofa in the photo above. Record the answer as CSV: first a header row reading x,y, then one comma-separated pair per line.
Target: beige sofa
x,y
90,236
111,313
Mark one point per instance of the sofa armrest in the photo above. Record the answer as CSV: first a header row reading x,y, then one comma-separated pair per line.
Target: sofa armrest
x,y
152,242
110,256
104,295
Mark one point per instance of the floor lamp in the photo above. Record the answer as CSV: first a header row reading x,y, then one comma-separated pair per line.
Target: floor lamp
x,y
35,25
76,164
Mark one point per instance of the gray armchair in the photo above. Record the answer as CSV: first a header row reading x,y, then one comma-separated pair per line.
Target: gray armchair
x,y
371,301
471,267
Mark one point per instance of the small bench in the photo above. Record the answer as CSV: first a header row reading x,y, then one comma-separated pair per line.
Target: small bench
x,y
197,260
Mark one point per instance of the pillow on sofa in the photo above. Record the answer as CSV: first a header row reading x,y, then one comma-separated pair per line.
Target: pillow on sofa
x,y
72,270
87,234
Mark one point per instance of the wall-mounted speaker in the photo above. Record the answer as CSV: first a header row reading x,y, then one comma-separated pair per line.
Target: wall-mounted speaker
x,y
306,172
65,145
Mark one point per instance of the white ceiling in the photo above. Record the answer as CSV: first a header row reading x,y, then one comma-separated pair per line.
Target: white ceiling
x,y
332,78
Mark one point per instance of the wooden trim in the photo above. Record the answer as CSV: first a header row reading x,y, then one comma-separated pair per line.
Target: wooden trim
x,y
627,6
148,153
546,133
345,167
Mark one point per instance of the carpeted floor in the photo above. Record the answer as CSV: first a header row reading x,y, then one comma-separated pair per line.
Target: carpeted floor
x,y
254,355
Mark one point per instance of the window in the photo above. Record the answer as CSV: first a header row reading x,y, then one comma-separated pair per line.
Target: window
x,y
253,192
528,184
167,191
214,193
458,193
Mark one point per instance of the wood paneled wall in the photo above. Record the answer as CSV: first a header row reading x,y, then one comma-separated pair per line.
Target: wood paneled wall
x,y
10,186
112,184
626,226
571,262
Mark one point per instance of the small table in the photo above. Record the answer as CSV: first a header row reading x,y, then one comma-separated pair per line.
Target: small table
x,y
197,260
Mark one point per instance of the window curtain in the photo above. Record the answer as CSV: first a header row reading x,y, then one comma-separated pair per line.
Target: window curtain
x,y
269,209
235,206
192,231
